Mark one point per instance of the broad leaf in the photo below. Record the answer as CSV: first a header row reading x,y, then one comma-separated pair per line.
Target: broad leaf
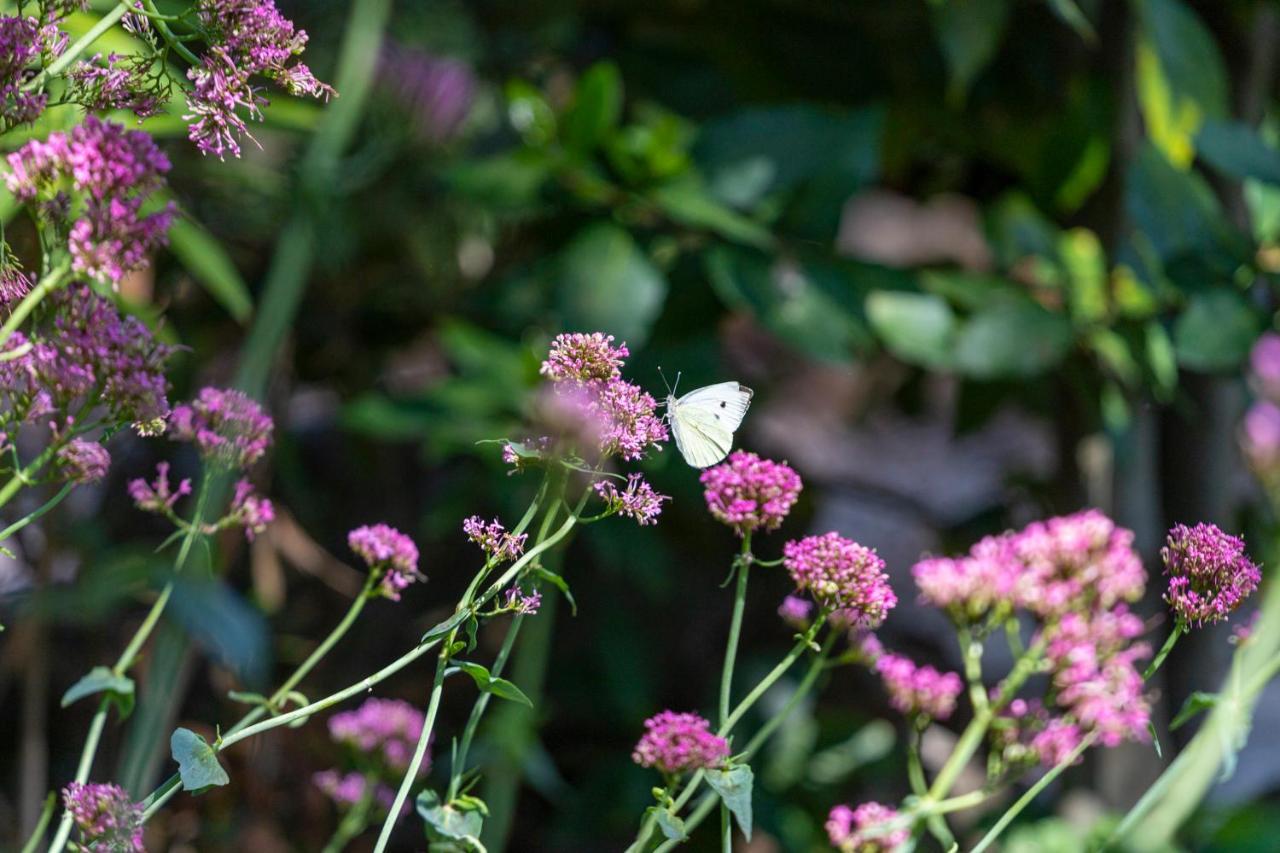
x,y
1216,330
596,109
916,327
969,31
1012,338
608,283
198,764
670,824
1238,151
450,827
734,787
102,680
499,687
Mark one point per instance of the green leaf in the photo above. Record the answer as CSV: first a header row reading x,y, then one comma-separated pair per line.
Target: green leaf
x,y
197,762
509,182
671,825
1155,739
1162,360
559,583
918,328
234,632
690,204
1238,151
530,114
596,109
1188,55
1216,330
734,787
1195,704
203,256
442,628
969,31
499,687
458,822
102,680
608,283
1013,338
1070,14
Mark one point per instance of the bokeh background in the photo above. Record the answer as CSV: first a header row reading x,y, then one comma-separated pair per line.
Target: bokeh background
x,y
981,260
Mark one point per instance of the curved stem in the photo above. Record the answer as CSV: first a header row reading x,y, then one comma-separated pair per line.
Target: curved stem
x,y
80,45
48,505
161,23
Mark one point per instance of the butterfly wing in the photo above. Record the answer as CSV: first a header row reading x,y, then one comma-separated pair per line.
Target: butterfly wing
x,y
703,421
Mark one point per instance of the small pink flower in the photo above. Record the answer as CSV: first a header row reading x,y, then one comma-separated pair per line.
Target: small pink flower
x,y
384,729
584,358
678,743
387,550
107,817
494,539
918,690
638,500
841,575
862,830
1209,573
796,612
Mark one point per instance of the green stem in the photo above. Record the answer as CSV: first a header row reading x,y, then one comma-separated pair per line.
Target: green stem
x,y
161,23
81,44
42,825
1034,791
1179,628
726,674
477,710
43,288
768,681
355,820
972,651
49,504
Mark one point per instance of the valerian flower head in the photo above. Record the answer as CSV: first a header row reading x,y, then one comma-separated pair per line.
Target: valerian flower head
x,y
21,44
106,816
1209,573
497,543
918,690
971,586
749,493
387,551
638,500
841,575
228,427
437,93
516,600
82,462
248,39
796,612
863,830
114,172
676,743
347,789
250,510
1076,561
158,496
383,729
584,358
117,83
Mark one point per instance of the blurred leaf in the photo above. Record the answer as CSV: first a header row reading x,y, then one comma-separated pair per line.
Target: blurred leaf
x,y
671,825
499,687
1162,360
689,204
1069,12
1216,330
1086,268
1012,338
203,256
509,181
872,742
219,620
559,583
1238,151
530,114
102,680
607,283
969,31
596,108
919,328
197,762
734,787
1195,704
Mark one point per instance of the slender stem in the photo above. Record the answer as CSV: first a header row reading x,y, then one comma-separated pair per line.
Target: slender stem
x,y
46,815
1179,628
26,475
411,775
726,674
1034,791
81,44
477,710
802,689
768,681
49,504
161,23
972,650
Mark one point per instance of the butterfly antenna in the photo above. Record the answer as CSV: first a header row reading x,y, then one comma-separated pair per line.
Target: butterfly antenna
x,y
664,379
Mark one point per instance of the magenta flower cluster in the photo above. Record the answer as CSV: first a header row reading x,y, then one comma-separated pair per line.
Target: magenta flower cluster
x,y
248,39
842,576
676,743
114,172
497,543
21,43
1026,733
83,462
106,816
588,390
437,93
228,427
158,496
516,600
796,612
749,493
1209,573
863,830
250,510
384,730
918,690
347,789
638,500
117,82
389,553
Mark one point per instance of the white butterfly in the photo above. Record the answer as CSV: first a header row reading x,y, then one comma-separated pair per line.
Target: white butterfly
x,y
704,420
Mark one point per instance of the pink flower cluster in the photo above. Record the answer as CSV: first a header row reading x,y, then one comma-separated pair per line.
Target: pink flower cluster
x,y
749,493
1026,733
117,83
602,408
83,461
638,500
228,427
347,789
250,510
386,730
115,172
796,612
248,39
918,690
1096,682
106,816
1048,568
862,830
494,540
20,46
841,576
1209,573
388,551
1260,433
522,603
676,743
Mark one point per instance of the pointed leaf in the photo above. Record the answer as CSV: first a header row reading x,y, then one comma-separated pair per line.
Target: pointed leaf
x,y
734,787
671,825
447,823
559,583
102,680
596,109
442,628
1194,704
197,762
504,689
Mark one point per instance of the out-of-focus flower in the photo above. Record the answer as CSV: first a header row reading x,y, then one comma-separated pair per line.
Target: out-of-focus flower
x,y
117,83
1096,681
523,603
1076,561
83,461
436,92
250,510
494,539
228,427
971,586
1264,363
1260,439
20,45
749,493
382,729
863,830
347,789
638,500
676,743
841,575
107,817
158,495
388,551
917,689
1209,573
796,612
